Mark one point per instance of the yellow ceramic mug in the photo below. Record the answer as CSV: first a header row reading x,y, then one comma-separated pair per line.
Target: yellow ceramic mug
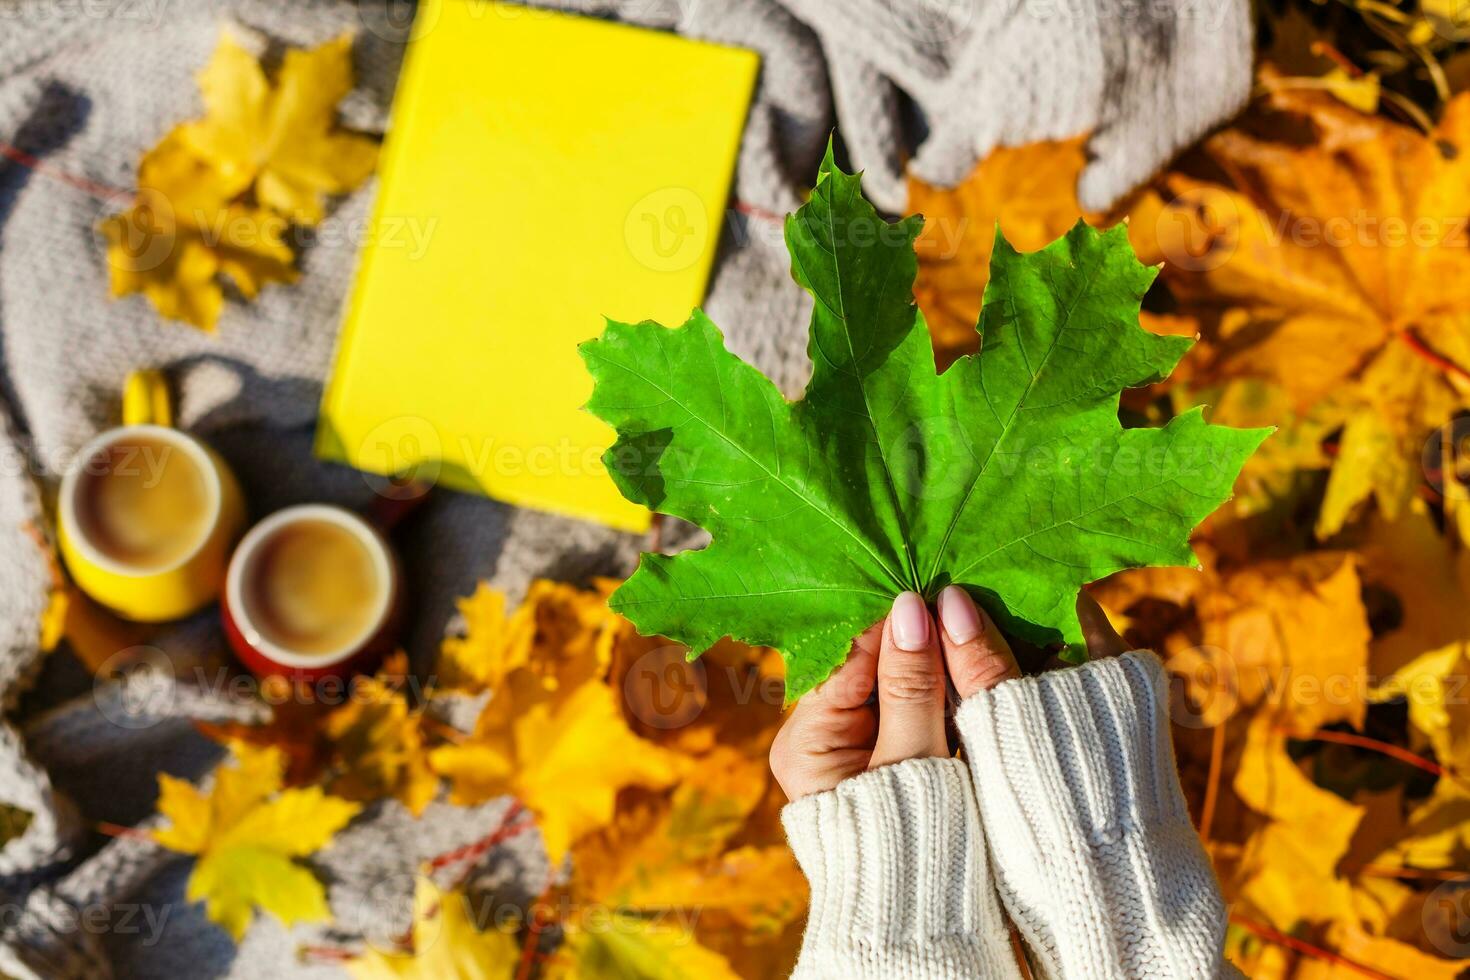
x,y
174,562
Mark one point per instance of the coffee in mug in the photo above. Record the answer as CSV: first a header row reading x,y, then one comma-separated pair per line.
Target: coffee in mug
x,y
312,587
311,590
143,502
146,516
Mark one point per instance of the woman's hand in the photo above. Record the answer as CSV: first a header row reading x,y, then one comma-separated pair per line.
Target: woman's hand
x,y
841,730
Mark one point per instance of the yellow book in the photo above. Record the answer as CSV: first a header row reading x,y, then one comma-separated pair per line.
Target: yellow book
x,y
541,171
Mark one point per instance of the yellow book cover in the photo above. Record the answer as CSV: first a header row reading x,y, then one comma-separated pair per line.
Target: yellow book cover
x,y
554,170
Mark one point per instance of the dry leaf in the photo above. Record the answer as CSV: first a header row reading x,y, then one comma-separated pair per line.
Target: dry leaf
x,y
675,853
216,195
281,140
1029,191
364,747
564,757
489,649
244,834
1321,269
627,947
553,732
181,236
379,741
445,944
1289,869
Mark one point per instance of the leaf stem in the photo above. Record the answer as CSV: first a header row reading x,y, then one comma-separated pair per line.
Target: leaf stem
x,y
1212,783
1377,745
1410,874
118,830
1418,346
1305,948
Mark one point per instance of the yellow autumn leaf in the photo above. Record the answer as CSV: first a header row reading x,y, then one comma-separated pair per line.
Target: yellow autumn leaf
x,y
1029,191
244,834
1289,869
93,633
280,139
1360,91
491,646
1279,478
1430,685
676,852
53,619
1437,832
445,944
714,842
216,195
1369,464
379,742
1414,562
1317,267
1387,956
181,235
559,636
565,758
628,947
1270,619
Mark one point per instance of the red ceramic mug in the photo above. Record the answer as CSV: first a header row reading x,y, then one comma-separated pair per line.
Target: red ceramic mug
x,y
312,591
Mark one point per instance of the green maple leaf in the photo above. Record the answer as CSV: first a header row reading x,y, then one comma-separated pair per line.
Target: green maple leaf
x,y
1008,474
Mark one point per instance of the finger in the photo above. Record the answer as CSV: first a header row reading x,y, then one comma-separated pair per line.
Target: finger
x,y
976,655
910,686
847,692
829,735
851,685
817,748
1097,629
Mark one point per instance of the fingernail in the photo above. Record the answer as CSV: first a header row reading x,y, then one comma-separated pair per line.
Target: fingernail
x,y
910,622
958,614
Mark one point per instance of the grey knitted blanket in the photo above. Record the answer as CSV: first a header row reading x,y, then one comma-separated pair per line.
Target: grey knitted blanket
x,y
86,86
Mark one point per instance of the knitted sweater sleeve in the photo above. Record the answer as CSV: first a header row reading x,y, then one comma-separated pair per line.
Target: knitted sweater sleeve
x,y
900,888
1090,841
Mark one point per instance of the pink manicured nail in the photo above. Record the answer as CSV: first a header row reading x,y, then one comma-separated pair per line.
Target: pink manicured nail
x,y
958,614
910,622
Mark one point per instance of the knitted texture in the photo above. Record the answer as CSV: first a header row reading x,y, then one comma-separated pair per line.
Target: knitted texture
x,y
898,877
1090,840
1146,78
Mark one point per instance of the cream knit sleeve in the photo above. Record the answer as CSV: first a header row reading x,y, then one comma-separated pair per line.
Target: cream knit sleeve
x,y
897,867
1090,842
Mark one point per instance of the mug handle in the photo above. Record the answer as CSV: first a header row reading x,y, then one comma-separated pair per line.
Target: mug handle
x,y
387,510
146,399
